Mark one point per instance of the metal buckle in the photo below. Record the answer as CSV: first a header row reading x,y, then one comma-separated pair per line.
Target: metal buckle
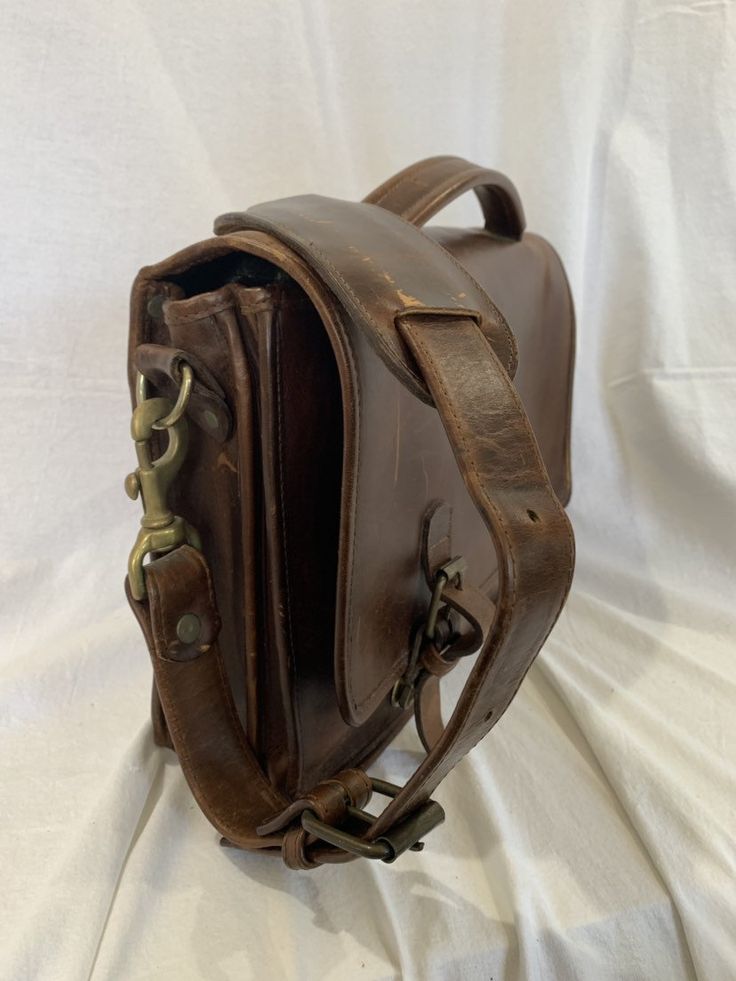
x,y
406,836
403,690
161,530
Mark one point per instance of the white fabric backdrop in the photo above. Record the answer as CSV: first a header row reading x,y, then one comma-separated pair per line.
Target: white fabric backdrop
x,y
591,836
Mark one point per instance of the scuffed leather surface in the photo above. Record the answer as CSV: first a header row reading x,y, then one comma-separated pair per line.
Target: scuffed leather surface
x,y
590,828
379,266
528,283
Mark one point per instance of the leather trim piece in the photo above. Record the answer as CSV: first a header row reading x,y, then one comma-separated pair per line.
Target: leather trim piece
x,y
162,366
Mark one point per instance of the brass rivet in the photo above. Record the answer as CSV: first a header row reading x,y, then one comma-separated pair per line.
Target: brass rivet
x,y
210,419
187,629
155,306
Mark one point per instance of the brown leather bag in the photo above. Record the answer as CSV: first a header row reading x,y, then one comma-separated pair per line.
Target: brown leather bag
x,y
344,494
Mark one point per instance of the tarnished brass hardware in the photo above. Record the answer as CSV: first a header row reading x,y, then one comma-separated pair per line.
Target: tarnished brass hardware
x,y
188,628
182,399
161,530
155,306
210,419
450,572
406,836
403,690
141,388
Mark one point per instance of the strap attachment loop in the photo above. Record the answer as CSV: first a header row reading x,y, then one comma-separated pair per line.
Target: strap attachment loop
x,y
450,572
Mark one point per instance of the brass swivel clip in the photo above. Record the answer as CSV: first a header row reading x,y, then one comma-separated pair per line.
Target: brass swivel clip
x,y
161,530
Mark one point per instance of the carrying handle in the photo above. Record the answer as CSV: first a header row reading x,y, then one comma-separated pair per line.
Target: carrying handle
x,y
420,191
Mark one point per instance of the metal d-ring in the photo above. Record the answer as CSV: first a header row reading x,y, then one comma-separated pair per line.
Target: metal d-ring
x,y
182,400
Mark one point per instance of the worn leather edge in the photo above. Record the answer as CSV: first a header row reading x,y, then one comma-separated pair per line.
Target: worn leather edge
x,y
399,268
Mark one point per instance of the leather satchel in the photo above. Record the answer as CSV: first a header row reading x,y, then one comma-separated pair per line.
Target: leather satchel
x,y
353,443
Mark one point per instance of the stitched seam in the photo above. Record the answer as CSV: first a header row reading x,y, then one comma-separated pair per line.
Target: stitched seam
x,y
392,186
451,184
427,198
348,289
356,704
284,538
500,319
405,177
158,627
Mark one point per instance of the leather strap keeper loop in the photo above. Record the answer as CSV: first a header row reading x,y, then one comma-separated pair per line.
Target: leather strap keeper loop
x,y
161,365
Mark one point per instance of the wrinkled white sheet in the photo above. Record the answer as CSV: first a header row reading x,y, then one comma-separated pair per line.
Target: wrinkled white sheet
x,y
591,836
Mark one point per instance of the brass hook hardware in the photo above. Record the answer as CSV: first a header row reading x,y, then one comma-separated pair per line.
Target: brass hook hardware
x,y
182,399
161,530
403,690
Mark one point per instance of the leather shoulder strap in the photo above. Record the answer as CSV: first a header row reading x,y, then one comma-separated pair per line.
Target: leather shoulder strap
x,y
220,767
503,471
